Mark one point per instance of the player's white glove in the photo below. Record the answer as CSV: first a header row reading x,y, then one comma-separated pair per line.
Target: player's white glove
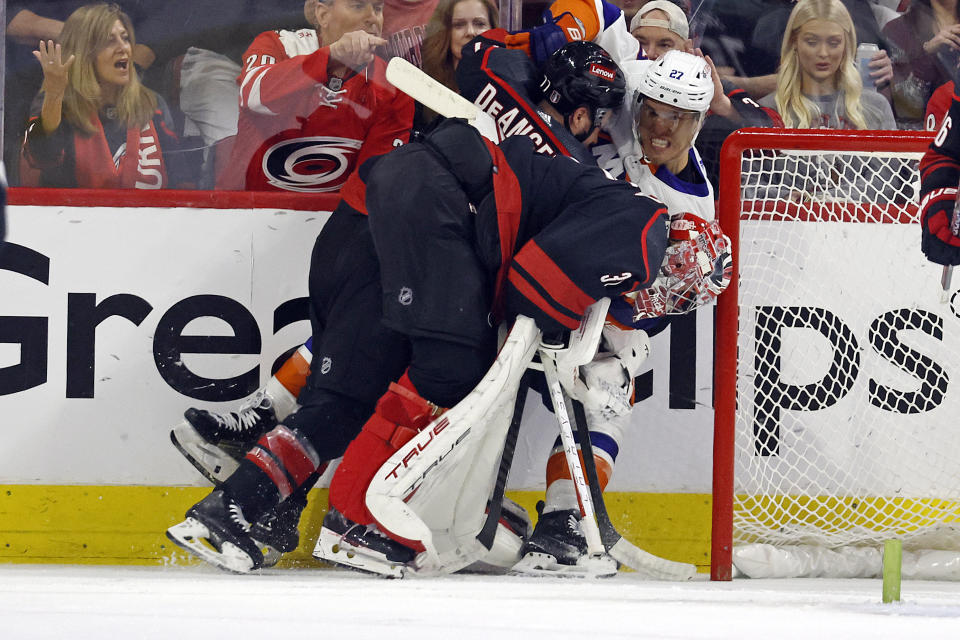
x,y
605,385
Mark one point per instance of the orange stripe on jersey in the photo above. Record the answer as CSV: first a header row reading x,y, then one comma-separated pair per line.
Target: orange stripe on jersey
x,y
551,277
557,468
293,373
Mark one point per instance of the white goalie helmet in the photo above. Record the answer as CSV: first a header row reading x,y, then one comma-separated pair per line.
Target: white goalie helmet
x,y
678,79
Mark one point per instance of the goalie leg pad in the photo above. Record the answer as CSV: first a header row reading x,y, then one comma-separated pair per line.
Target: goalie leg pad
x,y
399,416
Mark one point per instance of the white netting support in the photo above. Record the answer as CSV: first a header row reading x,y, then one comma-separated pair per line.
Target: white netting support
x,y
847,428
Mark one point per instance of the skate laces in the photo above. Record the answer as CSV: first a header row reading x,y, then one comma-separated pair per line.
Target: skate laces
x,y
248,416
236,516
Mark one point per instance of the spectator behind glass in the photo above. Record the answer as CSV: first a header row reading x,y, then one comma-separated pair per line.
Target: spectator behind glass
x,y
453,24
760,59
818,85
660,26
96,125
315,104
27,24
926,29
405,26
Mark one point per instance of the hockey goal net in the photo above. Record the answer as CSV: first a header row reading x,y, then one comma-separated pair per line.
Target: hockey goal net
x,y
837,426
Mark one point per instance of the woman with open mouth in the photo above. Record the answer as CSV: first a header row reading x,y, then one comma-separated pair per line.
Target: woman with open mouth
x,y
94,125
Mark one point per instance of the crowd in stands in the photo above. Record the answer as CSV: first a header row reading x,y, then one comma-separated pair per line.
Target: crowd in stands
x,y
292,95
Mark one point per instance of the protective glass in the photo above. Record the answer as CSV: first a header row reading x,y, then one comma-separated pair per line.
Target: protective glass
x,y
648,115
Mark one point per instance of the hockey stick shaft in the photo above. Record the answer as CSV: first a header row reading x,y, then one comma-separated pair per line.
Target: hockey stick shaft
x,y
489,530
589,523
621,549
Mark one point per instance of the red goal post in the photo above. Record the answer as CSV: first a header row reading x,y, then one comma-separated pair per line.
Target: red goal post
x,y
795,192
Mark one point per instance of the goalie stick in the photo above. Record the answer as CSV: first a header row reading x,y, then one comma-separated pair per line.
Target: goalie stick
x,y
621,549
598,526
427,91
449,104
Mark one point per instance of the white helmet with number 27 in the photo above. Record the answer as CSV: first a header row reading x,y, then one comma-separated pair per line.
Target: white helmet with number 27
x,y
697,267
678,79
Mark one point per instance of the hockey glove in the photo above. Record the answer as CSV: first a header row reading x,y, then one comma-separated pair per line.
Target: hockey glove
x,y
605,386
542,41
939,243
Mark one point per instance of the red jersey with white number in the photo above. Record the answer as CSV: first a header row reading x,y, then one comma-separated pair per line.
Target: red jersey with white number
x,y
303,130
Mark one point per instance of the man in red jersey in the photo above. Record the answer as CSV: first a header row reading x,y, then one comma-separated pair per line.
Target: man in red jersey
x,y
314,104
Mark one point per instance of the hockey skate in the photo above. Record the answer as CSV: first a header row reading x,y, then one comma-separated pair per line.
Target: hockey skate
x,y
216,532
362,547
215,443
276,531
558,547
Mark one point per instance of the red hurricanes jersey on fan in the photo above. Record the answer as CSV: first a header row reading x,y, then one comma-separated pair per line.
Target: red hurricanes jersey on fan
x,y
300,129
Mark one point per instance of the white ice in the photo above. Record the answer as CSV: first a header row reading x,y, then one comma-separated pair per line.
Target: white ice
x,y
117,603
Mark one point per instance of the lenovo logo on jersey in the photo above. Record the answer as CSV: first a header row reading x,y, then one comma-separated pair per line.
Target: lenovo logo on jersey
x,y
315,164
602,72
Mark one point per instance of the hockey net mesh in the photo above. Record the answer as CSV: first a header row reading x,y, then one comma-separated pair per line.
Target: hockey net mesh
x,y
847,427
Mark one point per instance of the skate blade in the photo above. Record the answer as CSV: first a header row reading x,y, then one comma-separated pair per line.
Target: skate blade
x,y
192,536
331,548
215,465
543,564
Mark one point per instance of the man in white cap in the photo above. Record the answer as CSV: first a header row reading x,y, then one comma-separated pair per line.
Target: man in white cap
x,y
660,26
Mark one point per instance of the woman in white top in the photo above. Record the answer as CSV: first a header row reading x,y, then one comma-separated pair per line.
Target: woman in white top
x,y
818,86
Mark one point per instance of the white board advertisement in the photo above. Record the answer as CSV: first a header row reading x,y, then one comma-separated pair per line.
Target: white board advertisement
x,y
114,320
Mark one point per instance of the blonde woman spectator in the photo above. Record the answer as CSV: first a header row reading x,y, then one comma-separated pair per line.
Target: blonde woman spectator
x,y
453,24
96,125
818,85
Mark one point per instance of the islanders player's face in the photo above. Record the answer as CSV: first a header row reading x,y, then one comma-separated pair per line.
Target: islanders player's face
x,y
338,17
666,133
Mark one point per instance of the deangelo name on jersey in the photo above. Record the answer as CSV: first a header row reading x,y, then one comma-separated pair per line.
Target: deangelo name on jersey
x,y
508,122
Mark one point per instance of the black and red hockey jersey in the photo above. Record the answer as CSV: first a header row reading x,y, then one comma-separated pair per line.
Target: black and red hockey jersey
x,y
549,236
939,177
506,84
301,129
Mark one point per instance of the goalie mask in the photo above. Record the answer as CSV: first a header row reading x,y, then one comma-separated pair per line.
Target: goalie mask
x,y
697,267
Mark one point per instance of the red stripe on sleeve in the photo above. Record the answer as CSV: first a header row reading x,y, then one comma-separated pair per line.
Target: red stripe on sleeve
x,y
528,292
551,277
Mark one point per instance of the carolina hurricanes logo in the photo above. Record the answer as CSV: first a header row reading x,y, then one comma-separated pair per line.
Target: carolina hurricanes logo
x,y
312,164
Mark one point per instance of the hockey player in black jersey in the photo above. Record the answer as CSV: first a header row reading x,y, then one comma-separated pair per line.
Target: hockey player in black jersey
x,y
939,176
561,108
584,83
485,230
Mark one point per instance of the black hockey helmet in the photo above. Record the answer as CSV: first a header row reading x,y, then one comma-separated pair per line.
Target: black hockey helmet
x,y
582,73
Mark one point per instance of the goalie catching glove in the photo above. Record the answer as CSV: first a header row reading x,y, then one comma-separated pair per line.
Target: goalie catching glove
x,y
605,385
697,267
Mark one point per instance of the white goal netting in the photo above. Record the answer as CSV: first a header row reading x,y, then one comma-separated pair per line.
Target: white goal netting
x,y
847,428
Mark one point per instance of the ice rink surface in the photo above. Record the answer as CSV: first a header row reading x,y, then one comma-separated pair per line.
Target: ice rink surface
x,y
117,603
